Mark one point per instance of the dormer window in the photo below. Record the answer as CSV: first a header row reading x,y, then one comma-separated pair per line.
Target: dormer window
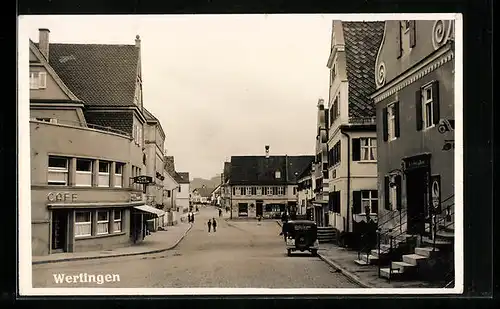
x,y
38,80
277,174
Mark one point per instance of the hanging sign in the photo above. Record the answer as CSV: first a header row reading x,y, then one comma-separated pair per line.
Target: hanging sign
x,y
436,193
143,179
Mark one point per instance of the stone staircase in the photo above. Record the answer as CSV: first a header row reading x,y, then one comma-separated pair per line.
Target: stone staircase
x,y
326,234
426,259
373,257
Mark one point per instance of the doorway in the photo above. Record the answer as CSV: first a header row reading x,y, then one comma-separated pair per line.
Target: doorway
x,y
416,200
259,210
59,230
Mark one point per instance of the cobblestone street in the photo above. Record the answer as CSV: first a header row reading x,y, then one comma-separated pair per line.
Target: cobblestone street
x,y
243,254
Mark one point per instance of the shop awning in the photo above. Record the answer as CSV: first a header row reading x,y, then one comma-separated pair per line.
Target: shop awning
x,y
151,210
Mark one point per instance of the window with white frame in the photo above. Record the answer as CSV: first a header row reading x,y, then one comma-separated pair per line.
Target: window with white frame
x,y
58,171
281,190
249,191
391,121
269,190
117,221
368,149
83,223
253,190
83,173
104,174
427,106
243,191
277,174
102,222
369,198
38,80
118,174
393,196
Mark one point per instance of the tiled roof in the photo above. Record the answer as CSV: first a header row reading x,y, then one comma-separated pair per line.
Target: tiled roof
x,y
120,120
98,74
305,172
149,116
362,41
182,177
204,191
259,170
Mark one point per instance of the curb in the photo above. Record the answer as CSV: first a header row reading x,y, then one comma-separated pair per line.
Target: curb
x,y
345,272
115,255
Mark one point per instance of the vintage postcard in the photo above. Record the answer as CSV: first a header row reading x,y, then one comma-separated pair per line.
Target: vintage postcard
x,y
240,154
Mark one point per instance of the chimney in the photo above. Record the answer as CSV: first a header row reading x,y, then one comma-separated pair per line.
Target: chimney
x,y
43,42
321,103
267,151
137,41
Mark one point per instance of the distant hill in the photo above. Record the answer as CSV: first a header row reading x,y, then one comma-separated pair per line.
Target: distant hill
x,y
209,183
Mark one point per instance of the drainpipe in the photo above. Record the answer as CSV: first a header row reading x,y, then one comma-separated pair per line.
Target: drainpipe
x,y
348,176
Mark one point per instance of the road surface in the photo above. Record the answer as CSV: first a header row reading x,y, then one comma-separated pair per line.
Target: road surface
x,y
241,254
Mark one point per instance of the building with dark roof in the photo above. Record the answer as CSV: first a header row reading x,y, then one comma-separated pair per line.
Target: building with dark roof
x,y
264,185
86,135
352,142
183,190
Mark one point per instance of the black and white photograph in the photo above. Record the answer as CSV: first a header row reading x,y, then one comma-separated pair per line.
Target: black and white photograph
x,y
240,154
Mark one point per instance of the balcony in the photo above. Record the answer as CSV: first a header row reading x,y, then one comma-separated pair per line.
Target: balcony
x,y
362,120
78,124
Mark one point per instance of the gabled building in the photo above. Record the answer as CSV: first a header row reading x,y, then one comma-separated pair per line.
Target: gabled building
x,y
170,190
264,185
226,188
85,113
415,128
202,195
352,142
305,193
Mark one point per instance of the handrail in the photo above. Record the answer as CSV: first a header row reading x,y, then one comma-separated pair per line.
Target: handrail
x,y
83,125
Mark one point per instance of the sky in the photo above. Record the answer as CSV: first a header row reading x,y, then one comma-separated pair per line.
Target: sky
x,y
221,85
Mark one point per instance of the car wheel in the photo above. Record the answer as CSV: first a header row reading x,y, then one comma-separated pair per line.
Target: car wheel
x,y
289,252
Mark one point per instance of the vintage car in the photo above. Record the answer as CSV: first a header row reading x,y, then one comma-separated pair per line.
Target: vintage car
x,y
301,235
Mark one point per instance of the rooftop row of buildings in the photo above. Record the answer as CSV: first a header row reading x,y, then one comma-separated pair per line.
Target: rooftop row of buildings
x,y
99,169
384,141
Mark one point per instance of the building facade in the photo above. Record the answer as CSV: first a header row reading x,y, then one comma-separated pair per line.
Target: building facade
x,y
352,142
305,194
83,154
415,126
265,186
170,189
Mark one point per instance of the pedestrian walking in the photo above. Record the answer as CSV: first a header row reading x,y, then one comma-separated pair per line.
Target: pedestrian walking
x,y
220,212
189,218
214,224
192,218
209,223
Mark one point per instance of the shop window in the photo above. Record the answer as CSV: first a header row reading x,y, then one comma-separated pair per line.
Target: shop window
x,y
104,174
102,222
58,171
117,221
119,175
83,223
83,173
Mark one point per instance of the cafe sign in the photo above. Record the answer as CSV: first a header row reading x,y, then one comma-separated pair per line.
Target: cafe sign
x,y
143,180
62,197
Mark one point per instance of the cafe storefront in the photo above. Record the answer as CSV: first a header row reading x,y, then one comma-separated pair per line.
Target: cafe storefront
x,y
87,219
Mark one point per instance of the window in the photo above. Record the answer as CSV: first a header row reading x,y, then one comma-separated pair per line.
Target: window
x,y
334,201
368,149
102,222
38,80
117,221
119,175
253,191
334,154
83,173
243,191
334,109
103,174
275,190
277,174
58,171
83,223
280,190
269,190
180,188
51,120
427,106
392,188
406,25
249,190
294,190
369,200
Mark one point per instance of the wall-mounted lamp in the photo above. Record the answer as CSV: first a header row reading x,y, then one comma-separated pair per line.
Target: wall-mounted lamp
x,y
449,144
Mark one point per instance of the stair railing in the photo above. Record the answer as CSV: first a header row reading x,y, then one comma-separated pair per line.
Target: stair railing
x,y
436,223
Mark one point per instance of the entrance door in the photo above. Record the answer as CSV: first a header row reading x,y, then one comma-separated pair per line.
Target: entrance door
x,y
327,218
59,230
258,206
416,193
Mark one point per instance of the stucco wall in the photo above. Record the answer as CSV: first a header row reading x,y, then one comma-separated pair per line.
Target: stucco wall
x,y
51,92
70,116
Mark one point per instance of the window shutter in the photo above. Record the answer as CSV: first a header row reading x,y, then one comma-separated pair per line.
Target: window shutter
x,y
399,42
413,34
398,192
435,102
356,149
338,201
385,126
418,109
396,119
356,201
338,152
374,202
387,204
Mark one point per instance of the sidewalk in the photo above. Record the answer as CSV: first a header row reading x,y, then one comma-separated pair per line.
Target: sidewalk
x,y
366,276
156,242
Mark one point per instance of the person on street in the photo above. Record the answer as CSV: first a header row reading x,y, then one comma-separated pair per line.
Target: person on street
x,y
220,212
214,224
192,218
209,223
189,217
